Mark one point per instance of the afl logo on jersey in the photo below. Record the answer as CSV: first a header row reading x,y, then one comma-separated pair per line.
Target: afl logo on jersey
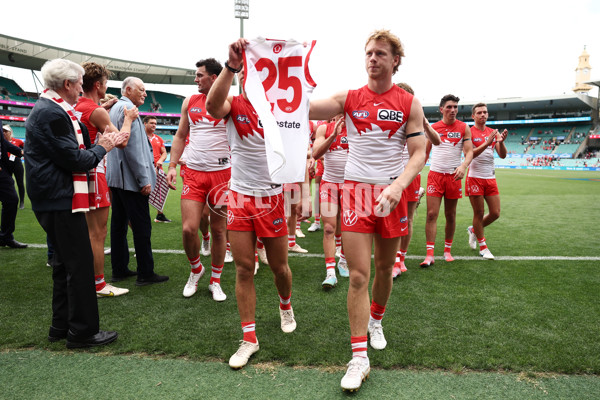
x,y
360,114
243,119
196,110
390,115
277,48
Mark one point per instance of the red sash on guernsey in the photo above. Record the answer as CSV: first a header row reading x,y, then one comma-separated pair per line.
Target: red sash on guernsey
x,y
83,189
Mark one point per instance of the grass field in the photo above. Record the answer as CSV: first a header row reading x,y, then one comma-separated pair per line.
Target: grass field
x,y
530,316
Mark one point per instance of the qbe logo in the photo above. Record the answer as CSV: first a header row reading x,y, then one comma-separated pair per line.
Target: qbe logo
x,y
390,115
454,135
230,217
350,218
360,114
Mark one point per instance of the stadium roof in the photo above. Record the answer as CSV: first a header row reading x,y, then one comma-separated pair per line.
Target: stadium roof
x,y
560,103
25,54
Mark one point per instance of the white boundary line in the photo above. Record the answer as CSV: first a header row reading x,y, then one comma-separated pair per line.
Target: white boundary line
x,y
410,257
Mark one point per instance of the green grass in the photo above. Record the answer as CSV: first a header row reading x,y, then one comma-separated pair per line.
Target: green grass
x,y
524,316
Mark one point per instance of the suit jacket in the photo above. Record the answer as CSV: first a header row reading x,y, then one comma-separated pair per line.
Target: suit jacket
x,y
130,168
7,147
52,154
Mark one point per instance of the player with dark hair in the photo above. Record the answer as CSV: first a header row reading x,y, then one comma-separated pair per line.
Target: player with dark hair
x,y
445,174
481,179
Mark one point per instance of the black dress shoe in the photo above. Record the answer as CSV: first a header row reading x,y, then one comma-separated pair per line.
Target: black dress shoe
x,y
13,243
55,334
119,278
99,339
155,278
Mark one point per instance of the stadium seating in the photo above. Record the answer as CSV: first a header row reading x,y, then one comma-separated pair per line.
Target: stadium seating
x,y
169,103
10,90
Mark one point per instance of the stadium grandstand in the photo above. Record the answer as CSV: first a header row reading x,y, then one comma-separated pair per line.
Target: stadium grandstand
x,y
561,132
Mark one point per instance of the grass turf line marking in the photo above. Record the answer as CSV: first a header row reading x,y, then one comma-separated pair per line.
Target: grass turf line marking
x,y
410,257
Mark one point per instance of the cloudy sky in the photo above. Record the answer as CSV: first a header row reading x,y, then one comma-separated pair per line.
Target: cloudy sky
x,y
478,50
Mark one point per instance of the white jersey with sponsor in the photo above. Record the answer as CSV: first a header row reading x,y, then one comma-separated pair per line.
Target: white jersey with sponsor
x,y
334,160
249,171
278,84
208,149
376,125
482,166
446,157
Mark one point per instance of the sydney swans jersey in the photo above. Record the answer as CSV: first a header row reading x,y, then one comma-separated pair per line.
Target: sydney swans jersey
x,y
278,84
446,157
482,166
336,156
376,125
83,110
249,171
208,149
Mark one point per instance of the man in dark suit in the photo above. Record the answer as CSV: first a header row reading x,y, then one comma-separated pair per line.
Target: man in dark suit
x,y
8,195
59,156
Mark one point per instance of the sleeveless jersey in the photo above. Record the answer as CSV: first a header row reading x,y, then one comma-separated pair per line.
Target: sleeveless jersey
x,y
278,84
157,143
249,172
446,157
336,156
208,149
482,166
376,126
83,110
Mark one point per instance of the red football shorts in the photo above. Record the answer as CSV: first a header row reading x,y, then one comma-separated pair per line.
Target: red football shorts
x,y
102,198
263,215
319,167
359,215
198,185
443,185
412,191
481,187
330,192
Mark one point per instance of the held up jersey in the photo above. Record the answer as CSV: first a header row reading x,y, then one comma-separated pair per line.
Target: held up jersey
x,y
208,149
376,125
249,171
482,166
446,157
278,84
336,156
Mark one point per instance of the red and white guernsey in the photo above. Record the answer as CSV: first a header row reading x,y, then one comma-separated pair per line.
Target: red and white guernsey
x,y
336,156
278,84
208,149
446,157
249,171
83,110
482,166
376,125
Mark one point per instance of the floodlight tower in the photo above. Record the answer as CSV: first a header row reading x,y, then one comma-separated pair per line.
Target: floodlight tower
x,y
242,11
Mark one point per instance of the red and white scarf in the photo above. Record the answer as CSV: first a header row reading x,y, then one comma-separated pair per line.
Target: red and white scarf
x,y
83,189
